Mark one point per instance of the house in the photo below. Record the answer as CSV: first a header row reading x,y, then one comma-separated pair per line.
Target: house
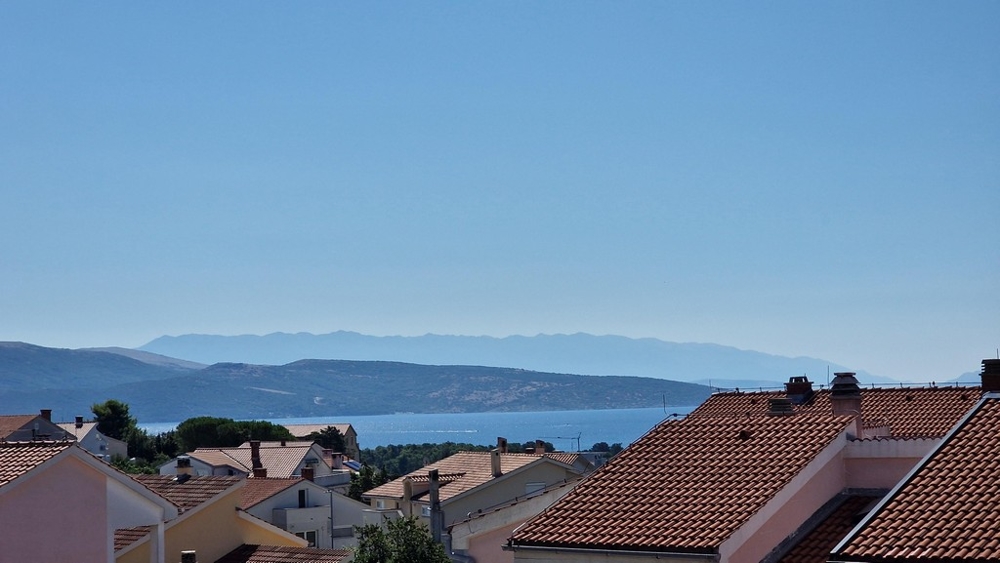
x,y
208,522
449,491
262,459
303,508
30,427
60,503
91,439
351,448
747,477
948,508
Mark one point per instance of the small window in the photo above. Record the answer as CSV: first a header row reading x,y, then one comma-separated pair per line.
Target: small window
x,y
309,536
303,498
380,504
425,512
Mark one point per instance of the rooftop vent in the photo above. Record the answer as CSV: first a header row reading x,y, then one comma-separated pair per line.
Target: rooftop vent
x,y
799,389
780,406
845,385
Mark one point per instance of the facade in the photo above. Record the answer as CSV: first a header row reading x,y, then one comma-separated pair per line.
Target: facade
x,y
747,477
303,508
60,503
30,427
209,522
91,439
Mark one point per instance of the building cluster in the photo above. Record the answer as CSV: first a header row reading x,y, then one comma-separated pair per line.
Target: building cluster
x,y
845,473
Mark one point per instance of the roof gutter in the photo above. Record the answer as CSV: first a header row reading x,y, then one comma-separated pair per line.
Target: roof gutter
x,y
610,552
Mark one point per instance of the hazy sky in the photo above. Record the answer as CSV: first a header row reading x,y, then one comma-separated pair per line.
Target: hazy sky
x,y
800,178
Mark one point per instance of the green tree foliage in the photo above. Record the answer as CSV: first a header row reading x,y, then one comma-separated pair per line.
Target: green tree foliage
x,y
113,419
404,540
214,432
365,480
330,438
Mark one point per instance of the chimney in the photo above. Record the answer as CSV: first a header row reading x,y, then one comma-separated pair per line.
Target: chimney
x,y
495,463
437,517
539,447
308,473
502,444
799,389
189,556
184,465
991,376
845,397
337,460
47,414
79,422
407,495
259,471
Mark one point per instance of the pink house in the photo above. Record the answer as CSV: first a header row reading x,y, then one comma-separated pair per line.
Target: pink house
x,y
60,503
749,477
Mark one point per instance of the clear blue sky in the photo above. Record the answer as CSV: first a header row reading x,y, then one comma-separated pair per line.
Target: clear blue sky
x,y
800,178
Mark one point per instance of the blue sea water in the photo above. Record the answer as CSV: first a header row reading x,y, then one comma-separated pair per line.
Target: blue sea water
x,y
566,430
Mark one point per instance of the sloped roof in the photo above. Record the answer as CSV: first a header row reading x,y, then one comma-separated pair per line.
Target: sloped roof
x,y
685,486
458,473
255,491
188,493
303,430
125,537
18,458
949,508
79,433
279,460
274,554
10,423
816,545
911,412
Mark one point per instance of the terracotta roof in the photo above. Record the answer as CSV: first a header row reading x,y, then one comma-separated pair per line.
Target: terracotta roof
x,y
279,460
458,473
273,554
10,423
188,493
816,545
125,537
949,509
911,412
18,458
685,486
255,491
79,433
303,430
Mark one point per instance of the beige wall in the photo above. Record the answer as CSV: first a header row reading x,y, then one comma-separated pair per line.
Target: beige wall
x,y
502,490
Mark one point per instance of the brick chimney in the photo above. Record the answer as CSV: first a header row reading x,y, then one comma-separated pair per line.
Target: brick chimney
x,y
183,466
991,376
47,414
79,422
539,447
259,471
845,397
308,473
502,444
799,389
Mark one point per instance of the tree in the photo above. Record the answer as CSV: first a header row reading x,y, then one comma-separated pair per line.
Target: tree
x,y
113,419
404,540
365,480
214,432
330,438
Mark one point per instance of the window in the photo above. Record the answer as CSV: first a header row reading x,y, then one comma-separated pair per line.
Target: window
x,y
425,512
309,536
303,498
380,504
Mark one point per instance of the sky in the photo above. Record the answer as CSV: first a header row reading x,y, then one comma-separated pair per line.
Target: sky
x,y
799,178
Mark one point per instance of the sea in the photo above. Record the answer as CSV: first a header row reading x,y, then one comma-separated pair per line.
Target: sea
x,y
575,430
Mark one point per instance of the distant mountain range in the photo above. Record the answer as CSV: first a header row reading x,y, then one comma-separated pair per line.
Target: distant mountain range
x,y
163,389
580,353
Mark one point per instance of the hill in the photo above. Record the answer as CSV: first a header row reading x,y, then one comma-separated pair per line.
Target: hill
x,y
580,353
318,388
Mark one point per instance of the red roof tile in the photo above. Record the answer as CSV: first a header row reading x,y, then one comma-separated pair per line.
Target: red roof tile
x,y
18,458
255,491
910,412
10,423
816,545
949,510
279,460
686,485
125,537
273,554
188,493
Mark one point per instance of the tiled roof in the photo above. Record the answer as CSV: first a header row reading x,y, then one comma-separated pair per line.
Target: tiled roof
x,y
18,458
458,473
188,493
10,423
255,491
949,510
273,554
685,486
79,433
279,460
816,545
911,412
125,537
303,430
